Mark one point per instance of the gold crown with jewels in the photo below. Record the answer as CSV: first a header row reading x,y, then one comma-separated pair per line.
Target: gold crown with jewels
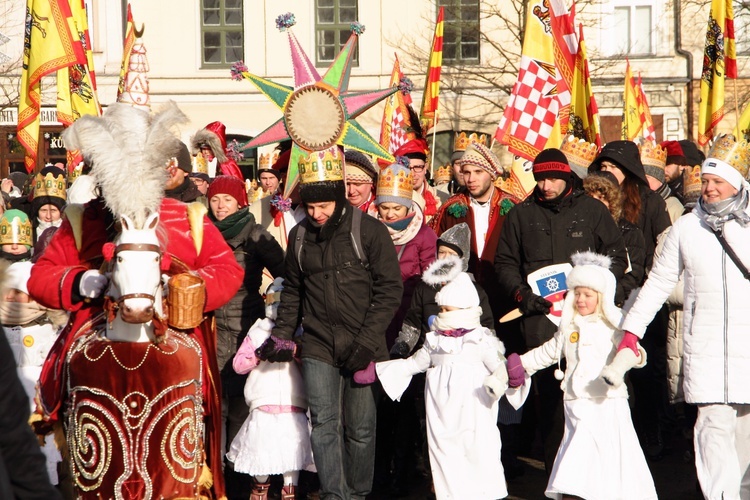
x,y
462,141
735,153
320,166
17,230
266,160
652,154
49,185
443,174
395,180
692,179
578,151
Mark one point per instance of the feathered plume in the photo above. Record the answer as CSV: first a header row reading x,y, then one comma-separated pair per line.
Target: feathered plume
x,y
128,150
443,270
591,259
416,125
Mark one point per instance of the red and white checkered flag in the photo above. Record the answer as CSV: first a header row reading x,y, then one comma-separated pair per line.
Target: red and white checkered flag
x,y
531,112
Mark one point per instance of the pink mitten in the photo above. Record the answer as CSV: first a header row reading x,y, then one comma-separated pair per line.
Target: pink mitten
x,y
245,359
366,376
516,373
629,340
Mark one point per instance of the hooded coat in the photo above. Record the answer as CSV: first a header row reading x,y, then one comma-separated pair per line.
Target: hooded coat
x,y
214,134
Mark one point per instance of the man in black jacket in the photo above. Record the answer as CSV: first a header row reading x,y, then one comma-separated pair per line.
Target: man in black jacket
x,y
343,280
554,222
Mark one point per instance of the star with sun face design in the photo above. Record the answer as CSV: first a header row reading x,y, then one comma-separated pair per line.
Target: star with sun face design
x,y
318,112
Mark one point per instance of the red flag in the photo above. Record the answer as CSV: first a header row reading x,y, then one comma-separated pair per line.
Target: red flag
x,y
396,125
565,44
432,84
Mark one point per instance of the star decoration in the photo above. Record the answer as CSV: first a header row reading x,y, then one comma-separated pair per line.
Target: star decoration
x,y
318,112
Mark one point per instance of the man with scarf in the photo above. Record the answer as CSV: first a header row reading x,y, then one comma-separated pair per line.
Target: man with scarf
x,y
555,221
424,194
706,245
343,280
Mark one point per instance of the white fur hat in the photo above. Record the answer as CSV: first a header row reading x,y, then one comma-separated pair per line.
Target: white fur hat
x,y
591,270
17,275
459,292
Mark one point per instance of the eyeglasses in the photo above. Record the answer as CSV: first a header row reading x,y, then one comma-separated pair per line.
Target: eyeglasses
x,y
418,168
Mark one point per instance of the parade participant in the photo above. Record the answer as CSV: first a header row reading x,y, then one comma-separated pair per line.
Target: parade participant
x,y
270,172
598,427
416,150
15,236
483,207
579,153
398,423
201,181
179,186
457,356
255,250
603,186
274,439
555,221
211,143
715,320
360,176
654,159
682,156
342,278
460,143
46,202
31,330
67,275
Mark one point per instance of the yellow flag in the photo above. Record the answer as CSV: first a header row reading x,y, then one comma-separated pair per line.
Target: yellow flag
x,y
631,113
49,45
742,130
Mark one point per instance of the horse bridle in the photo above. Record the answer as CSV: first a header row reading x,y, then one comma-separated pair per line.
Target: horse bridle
x,y
136,247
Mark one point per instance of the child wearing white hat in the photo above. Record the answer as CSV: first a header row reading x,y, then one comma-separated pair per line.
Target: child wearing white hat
x,y
462,434
599,456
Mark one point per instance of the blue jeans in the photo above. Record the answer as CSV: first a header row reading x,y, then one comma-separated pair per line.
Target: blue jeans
x,y
343,417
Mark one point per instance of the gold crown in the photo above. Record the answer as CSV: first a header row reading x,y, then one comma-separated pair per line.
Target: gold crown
x,y
199,163
49,185
266,160
652,154
462,141
444,174
16,231
692,179
75,173
395,181
736,153
578,151
319,166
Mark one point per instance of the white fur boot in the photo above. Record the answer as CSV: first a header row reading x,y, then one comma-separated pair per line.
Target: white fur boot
x,y
625,359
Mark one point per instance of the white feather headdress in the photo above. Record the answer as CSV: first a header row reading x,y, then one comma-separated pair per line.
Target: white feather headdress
x,y
128,149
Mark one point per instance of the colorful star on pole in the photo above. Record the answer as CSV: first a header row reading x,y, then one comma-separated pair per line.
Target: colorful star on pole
x,y
318,112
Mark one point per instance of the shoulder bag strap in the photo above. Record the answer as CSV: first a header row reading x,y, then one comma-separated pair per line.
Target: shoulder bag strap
x,y
732,255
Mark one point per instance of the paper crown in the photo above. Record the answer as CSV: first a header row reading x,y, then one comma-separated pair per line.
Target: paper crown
x,y
692,180
320,166
200,164
49,185
579,152
443,174
15,227
652,154
266,160
75,173
395,182
462,141
735,153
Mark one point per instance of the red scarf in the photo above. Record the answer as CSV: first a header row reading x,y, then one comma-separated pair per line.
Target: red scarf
x,y
430,203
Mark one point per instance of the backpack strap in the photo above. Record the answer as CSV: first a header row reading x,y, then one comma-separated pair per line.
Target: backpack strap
x,y
356,235
298,240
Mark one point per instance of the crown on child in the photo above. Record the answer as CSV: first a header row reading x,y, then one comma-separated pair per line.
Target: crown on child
x,y
462,141
578,151
319,166
735,153
652,154
16,230
49,185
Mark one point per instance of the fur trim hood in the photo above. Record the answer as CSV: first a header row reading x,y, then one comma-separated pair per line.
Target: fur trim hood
x,y
213,134
443,271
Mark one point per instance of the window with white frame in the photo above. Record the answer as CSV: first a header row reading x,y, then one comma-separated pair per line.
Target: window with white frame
x,y
630,28
333,21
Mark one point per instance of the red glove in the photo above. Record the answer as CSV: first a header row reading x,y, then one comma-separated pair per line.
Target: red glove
x,y
629,340
516,373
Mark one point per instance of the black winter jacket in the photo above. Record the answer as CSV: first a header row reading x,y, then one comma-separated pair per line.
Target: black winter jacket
x,y
338,298
535,236
636,247
653,220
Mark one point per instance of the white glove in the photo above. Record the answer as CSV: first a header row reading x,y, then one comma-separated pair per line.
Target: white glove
x,y
92,284
496,383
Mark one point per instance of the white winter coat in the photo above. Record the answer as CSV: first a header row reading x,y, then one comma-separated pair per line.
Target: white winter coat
x,y
716,323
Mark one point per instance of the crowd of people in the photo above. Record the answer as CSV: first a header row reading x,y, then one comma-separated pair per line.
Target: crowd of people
x,y
376,321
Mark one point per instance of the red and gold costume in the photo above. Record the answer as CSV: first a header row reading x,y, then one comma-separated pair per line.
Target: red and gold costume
x,y
51,284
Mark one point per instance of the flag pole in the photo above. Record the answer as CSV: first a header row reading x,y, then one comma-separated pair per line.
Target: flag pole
x,y
432,154
736,107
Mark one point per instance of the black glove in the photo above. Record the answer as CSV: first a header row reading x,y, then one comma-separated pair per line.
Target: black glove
x,y
531,303
400,350
276,350
358,357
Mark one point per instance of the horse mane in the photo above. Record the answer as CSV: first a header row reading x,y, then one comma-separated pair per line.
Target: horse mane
x,y
128,149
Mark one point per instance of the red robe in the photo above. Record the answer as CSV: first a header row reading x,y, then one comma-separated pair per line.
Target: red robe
x,y
53,275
